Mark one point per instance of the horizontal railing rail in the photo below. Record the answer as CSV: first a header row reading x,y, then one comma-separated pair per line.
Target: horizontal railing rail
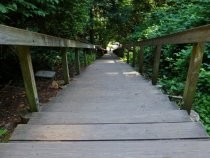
x,y
196,36
24,39
15,36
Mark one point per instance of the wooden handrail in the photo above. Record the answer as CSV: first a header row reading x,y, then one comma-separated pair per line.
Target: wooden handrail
x,y
15,36
23,40
195,35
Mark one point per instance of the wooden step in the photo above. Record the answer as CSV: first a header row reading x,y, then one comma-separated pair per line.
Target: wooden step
x,y
107,149
104,106
67,118
184,130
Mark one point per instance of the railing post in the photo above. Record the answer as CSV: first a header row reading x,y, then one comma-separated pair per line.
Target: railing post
x,y
28,77
134,57
128,57
77,61
65,66
141,59
85,57
192,76
156,64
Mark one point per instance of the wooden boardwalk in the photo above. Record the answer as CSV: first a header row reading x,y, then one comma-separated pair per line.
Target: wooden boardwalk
x,y
109,111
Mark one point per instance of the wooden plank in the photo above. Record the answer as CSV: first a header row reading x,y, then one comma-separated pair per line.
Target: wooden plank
x,y
107,149
77,61
15,36
195,35
85,57
185,130
134,57
45,74
68,118
156,65
141,60
128,56
28,77
192,76
65,66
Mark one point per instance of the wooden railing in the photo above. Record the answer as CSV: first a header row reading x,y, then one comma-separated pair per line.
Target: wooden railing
x,y
23,40
196,36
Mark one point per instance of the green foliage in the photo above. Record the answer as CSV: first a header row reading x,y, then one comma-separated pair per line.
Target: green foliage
x,y
168,17
202,106
2,131
64,18
172,16
90,58
173,86
204,81
124,21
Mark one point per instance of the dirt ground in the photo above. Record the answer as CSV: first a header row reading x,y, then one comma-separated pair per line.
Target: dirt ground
x,y
13,102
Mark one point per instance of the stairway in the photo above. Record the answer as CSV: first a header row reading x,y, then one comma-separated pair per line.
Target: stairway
x,y
109,111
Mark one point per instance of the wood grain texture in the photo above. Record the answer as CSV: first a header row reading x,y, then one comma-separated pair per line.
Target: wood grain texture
x,y
192,76
110,132
15,36
128,56
77,61
195,35
65,66
156,65
134,57
24,55
85,57
141,60
106,149
85,117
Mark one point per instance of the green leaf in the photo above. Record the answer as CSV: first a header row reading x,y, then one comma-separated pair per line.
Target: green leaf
x,y
3,9
208,56
2,131
12,7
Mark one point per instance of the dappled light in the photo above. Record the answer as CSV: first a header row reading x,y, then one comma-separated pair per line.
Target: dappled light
x,y
112,73
132,73
107,62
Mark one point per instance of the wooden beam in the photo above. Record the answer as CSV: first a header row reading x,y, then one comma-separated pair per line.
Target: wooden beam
x,y
65,66
77,61
15,36
28,77
85,57
156,65
134,57
195,35
192,76
141,60
128,56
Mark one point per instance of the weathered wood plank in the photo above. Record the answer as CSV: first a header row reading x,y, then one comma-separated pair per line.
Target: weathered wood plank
x,y
45,74
141,60
192,76
128,56
107,149
156,65
110,131
85,57
65,66
24,55
77,61
67,118
195,35
134,57
15,36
